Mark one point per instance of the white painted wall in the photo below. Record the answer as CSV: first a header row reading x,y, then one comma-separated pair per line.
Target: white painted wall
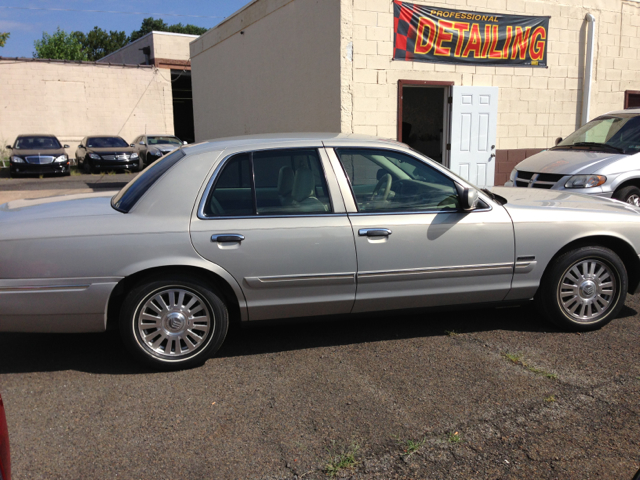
x,y
281,75
72,100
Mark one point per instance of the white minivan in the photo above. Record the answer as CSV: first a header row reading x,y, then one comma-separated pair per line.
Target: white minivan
x,y
600,158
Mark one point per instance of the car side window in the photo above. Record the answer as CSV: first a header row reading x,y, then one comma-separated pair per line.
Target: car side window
x,y
271,182
290,182
387,181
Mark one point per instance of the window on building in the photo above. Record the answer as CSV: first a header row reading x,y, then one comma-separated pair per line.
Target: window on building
x,y
631,99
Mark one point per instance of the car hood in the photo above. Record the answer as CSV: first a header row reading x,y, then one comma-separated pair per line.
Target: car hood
x,y
38,209
569,162
111,150
23,152
560,199
165,146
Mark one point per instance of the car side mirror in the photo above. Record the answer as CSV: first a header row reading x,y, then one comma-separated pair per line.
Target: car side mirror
x,y
469,199
132,145
558,140
9,147
80,146
142,143
184,143
66,146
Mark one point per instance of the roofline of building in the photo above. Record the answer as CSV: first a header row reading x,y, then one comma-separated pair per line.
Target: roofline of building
x,y
275,5
71,62
145,36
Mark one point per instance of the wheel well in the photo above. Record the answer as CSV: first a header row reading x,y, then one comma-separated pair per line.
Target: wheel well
x,y
126,284
631,182
621,248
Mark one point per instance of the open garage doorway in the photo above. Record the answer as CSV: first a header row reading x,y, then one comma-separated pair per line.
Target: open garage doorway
x,y
182,105
423,117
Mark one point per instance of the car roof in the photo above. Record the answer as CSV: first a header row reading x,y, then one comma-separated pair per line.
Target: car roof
x,y
104,136
277,139
36,135
635,111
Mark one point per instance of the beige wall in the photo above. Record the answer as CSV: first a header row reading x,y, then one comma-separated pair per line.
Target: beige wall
x,y
282,74
536,105
72,100
166,45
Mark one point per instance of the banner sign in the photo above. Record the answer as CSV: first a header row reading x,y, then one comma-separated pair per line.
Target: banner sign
x,y
436,34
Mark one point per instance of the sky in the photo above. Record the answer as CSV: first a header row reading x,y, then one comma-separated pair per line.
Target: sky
x,y
25,24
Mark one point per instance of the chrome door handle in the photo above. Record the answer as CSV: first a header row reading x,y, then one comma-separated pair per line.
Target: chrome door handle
x,y
374,232
227,237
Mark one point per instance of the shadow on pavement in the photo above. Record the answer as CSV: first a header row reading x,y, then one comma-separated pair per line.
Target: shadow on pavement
x,y
104,353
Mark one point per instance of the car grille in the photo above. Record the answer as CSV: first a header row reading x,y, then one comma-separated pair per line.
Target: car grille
x,y
537,180
40,160
120,156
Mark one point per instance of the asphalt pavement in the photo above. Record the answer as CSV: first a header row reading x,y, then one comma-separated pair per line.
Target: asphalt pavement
x,y
474,394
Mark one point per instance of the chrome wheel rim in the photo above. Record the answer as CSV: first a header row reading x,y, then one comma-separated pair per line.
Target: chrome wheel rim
x,y
174,322
587,290
634,200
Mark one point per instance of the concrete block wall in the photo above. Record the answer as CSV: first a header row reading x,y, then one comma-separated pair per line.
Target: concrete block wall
x,y
536,105
72,100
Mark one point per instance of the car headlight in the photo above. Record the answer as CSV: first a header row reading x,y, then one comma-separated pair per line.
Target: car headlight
x,y
133,156
61,159
585,181
155,152
94,156
512,177
15,159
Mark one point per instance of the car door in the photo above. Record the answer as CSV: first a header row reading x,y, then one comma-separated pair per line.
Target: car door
x,y
415,246
275,220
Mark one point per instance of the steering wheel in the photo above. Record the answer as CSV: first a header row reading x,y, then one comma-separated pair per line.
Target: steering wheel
x,y
383,183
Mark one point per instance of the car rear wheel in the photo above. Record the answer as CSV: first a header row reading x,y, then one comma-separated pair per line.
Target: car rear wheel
x,y
173,322
629,195
584,289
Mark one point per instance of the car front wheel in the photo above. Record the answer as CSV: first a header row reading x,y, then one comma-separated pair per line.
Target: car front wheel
x,y
629,195
584,289
173,322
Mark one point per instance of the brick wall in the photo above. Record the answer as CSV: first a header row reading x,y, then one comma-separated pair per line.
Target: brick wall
x,y
506,160
536,105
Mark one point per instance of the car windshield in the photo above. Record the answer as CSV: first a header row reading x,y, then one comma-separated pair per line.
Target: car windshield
x,y
106,142
38,143
163,140
616,133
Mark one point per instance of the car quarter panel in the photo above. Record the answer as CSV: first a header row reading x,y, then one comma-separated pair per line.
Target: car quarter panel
x,y
58,266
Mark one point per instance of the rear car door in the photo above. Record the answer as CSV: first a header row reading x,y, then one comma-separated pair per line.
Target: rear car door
x,y
414,244
275,220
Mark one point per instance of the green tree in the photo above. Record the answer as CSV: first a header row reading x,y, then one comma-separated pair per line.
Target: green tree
x,y
59,46
3,39
98,43
151,24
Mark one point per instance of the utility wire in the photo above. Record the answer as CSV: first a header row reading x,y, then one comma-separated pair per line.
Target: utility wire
x,y
111,11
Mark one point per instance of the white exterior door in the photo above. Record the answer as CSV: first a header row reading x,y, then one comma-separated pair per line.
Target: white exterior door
x,y
474,119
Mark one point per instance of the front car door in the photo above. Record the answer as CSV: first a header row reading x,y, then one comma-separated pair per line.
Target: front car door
x,y
275,220
415,246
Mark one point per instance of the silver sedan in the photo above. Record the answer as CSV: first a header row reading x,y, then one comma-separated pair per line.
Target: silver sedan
x,y
275,226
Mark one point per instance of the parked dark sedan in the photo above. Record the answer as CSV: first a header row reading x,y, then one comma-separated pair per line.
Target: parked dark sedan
x,y
38,154
5,461
106,153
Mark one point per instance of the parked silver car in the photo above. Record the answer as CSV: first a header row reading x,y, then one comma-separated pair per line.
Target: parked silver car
x,y
600,158
276,226
152,147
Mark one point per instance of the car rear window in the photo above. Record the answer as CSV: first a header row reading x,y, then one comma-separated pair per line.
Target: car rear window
x,y
136,188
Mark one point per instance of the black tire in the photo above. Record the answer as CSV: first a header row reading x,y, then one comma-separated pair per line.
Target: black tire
x,y
184,337
630,194
583,289
86,166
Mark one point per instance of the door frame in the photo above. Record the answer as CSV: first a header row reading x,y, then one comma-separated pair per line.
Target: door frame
x,y
446,114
